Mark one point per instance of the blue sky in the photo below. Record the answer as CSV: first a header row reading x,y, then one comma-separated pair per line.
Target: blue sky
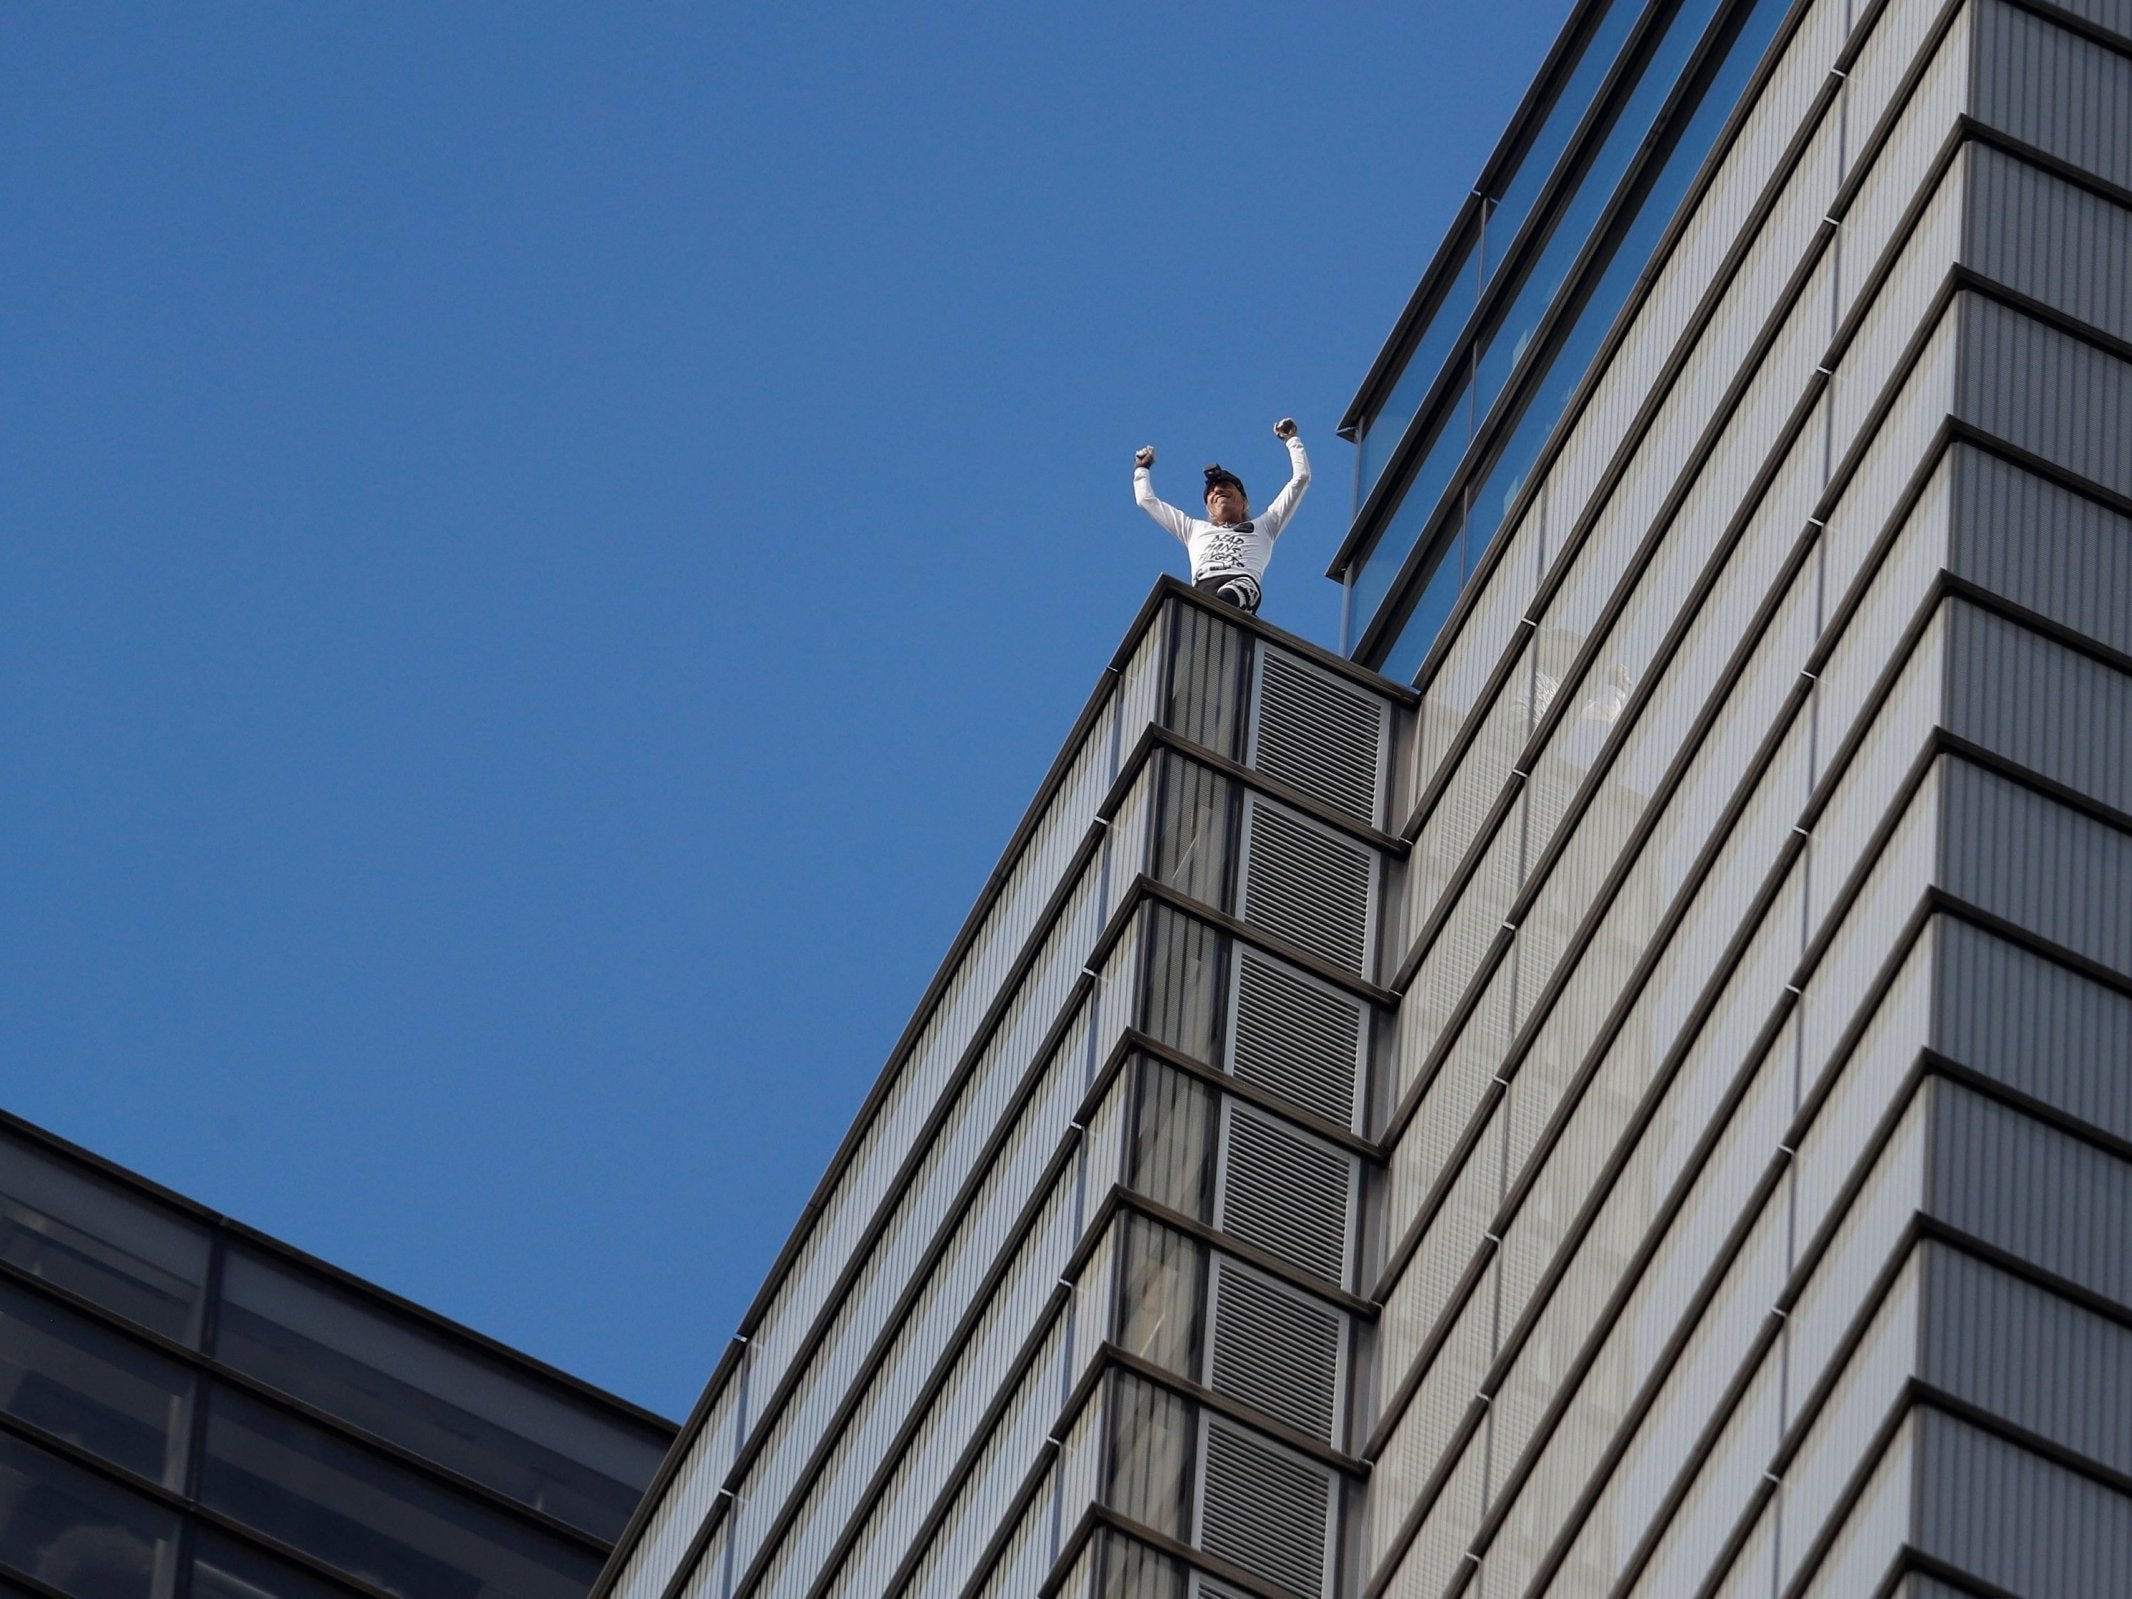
x,y
547,546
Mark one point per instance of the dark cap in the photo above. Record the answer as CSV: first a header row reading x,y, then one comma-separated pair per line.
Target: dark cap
x,y
1221,474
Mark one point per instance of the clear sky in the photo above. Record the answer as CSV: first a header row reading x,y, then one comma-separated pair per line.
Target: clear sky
x,y
544,549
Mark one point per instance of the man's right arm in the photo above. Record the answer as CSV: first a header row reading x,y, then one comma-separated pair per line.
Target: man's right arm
x,y
1167,517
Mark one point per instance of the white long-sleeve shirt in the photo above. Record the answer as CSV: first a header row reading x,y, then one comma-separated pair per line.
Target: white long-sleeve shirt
x,y
1225,549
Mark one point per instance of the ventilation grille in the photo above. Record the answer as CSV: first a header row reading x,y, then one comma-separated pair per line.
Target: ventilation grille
x,y
1281,1190
1305,885
1204,1587
1276,1350
1319,735
1297,1038
1266,1510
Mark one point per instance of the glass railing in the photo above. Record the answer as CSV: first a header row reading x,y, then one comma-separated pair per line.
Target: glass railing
x,y
1514,204
1382,433
1458,532
1514,329
1488,244
1418,507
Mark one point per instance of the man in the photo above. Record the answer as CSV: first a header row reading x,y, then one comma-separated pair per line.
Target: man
x,y
1230,548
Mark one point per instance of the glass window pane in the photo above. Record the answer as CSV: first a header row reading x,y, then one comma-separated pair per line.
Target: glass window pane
x,y
1431,610
1538,161
1131,1570
1382,433
1415,513
1191,846
1158,1312
65,1375
72,1529
1184,978
223,1568
1625,262
409,1383
1514,330
371,1517
1151,1453
123,1251
1173,1132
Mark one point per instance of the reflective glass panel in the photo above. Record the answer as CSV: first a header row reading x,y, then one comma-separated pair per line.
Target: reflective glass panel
x,y
1538,162
223,1568
1191,846
1572,229
1628,256
372,1517
1158,1308
1431,610
1184,977
1418,376
1624,262
72,1529
1418,503
1173,1131
1151,1454
113,1247
412,1384
1131,1570
77,1381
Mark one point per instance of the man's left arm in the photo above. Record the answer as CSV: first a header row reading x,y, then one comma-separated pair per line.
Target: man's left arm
x,y
1277,514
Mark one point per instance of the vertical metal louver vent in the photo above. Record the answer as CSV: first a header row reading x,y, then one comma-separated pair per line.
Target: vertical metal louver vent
x,y
1283,1191
1266,1509
1297,1037
1306,884
1320,735
1204,1587
1276,1350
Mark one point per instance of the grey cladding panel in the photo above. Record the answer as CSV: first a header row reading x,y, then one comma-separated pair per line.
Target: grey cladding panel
x,y
2065,246
1281,1190
2029,1357
1298,1038
2054,395
1305,883
2055,90
2058,553
2043,1030
2115,15
2021,1523
1275,1349
2023,695
2054,871
1319,734
1267,1510
2032,1191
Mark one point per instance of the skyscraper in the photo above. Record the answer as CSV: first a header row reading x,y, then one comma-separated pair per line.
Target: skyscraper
x,y
1643,1109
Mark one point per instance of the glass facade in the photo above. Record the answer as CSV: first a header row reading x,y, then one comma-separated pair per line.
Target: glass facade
x,y
1446,456
190,1410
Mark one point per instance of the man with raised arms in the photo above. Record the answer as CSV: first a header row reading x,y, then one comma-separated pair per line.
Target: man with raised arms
x,y
1229,547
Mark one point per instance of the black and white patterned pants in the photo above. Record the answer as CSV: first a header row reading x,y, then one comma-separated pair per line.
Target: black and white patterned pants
x,y
1239,590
